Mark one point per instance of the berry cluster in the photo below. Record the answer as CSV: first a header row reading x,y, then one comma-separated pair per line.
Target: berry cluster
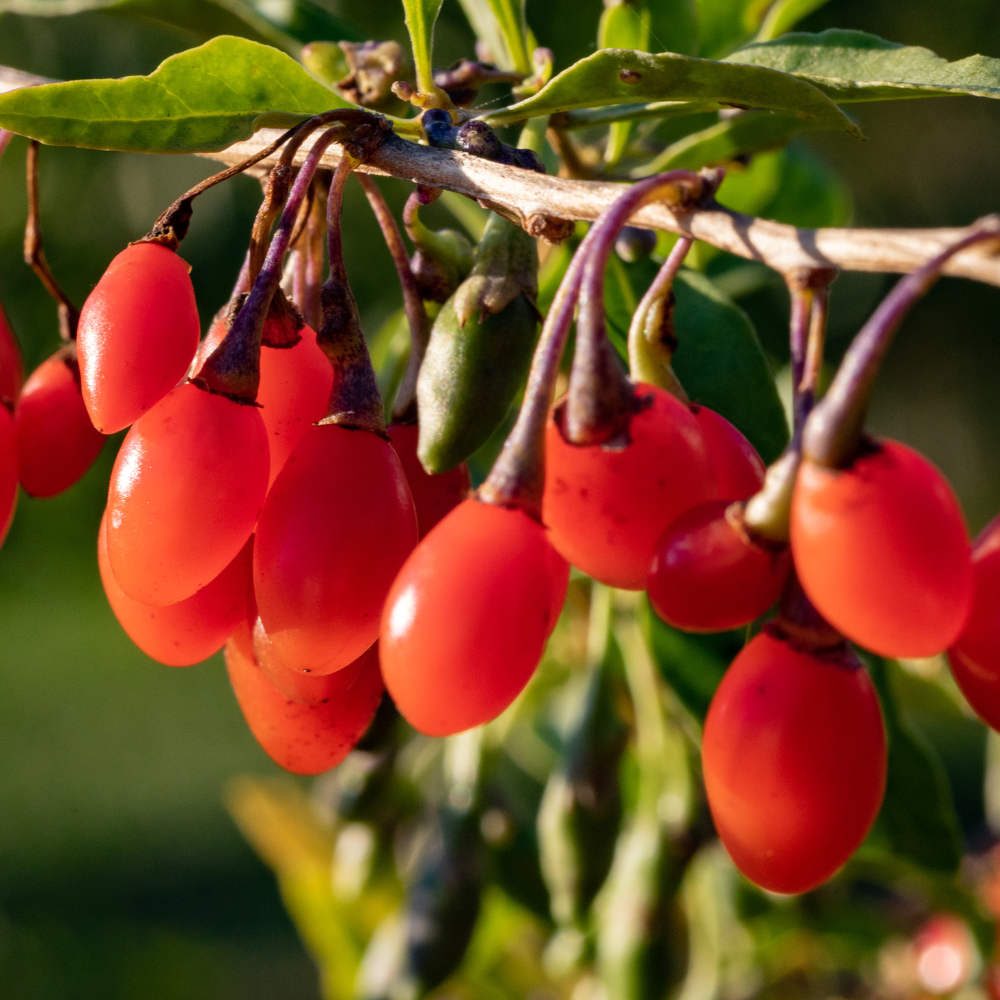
x,y
260,502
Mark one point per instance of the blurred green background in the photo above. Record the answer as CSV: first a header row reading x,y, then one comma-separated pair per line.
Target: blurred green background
x,y
121,876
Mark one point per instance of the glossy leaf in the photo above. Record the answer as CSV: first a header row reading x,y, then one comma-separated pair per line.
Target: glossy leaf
x,y
720,363
617,76
740,135
856,66
420,18
200,100
917,813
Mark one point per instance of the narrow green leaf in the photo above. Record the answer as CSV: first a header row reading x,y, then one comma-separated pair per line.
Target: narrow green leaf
x,y
200,100
623,26
480,16
917,812
740,135
589,117
723,25
855,66
784,15
420,18
509,15
721,364
618,76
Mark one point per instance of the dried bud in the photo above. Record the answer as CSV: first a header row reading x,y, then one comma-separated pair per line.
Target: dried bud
x,y
373,69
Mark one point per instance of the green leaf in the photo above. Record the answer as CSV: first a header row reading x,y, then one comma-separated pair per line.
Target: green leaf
x,y
917,812
200,100
509,16
480,16
855,66
784,15
721,364
625,26
726,24
589,117
420,18
285,25
740,135
617,76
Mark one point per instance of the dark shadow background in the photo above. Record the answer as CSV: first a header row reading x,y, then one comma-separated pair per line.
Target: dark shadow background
x,y
120,874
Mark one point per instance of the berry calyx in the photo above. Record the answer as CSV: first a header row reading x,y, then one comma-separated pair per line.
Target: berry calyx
x,y
710,574
182,634
606,504
185,492
304,738
975,654
882,550
56,441
468,616
137,334
794,758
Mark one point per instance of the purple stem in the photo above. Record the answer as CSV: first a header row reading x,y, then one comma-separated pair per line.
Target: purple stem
x,y
601,398
517,478
233,369
835,429
405,408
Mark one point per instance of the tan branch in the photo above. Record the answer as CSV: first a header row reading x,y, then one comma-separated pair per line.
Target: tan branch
x,y
542,203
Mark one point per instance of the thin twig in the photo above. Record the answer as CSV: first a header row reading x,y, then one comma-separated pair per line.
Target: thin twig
x,y
536,200
34,254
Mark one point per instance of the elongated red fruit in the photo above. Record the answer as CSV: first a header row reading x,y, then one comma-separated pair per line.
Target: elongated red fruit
x,y
304,687
433,496
975,656
305,738
468,616
882,551
185,492
8,470
605,506
295,384
337,525
708,574
182,634
11,365
794,758
739,471
138,332
56,442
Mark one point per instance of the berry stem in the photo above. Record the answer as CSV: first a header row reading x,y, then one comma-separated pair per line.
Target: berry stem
x,y
834,433
601,399
355,401
404,410
651,338
233,368
34,253
517,478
